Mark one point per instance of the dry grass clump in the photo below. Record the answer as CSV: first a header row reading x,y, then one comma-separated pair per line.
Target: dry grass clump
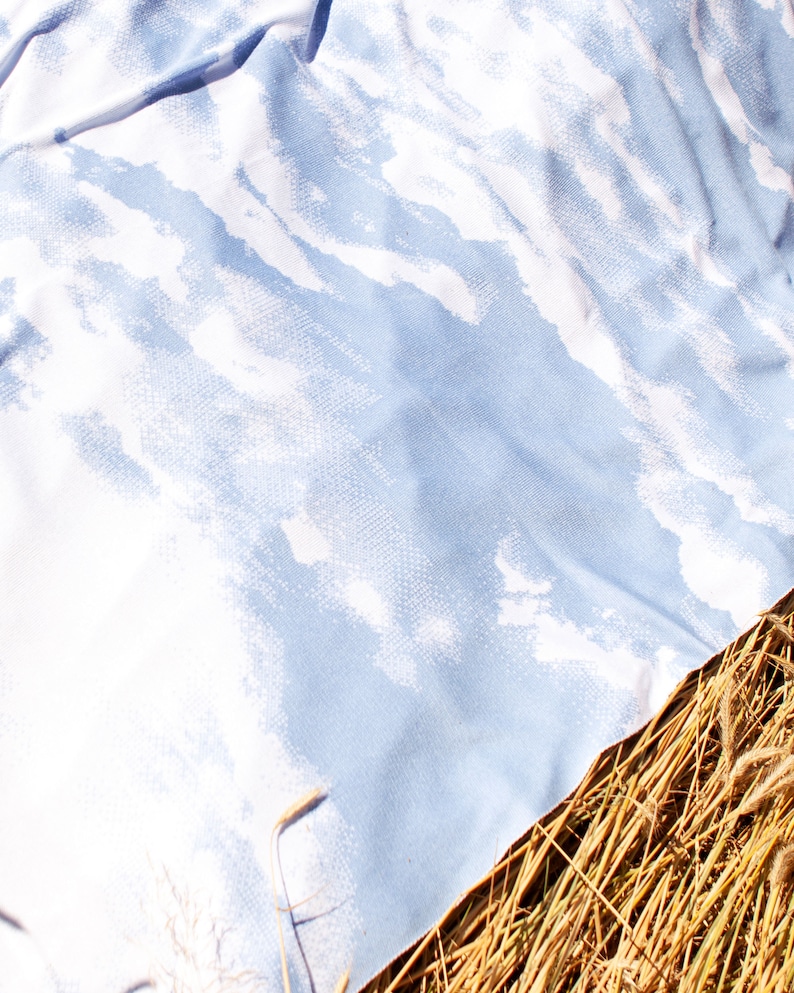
x,y
671,867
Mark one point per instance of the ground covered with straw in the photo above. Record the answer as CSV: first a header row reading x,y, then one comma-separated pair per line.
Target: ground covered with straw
x,y
671,867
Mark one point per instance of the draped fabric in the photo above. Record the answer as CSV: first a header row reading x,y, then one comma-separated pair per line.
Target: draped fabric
x,y
396,401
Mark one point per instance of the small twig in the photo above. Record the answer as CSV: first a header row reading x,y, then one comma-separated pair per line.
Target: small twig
x,y
342,982
293,813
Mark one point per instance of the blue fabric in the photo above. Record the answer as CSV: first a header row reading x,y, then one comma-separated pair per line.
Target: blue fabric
x,y
396,401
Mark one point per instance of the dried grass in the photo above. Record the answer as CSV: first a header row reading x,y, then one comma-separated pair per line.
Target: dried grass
x,y
670,868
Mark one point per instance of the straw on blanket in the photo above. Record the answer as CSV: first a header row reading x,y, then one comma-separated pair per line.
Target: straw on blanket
x,y
669,868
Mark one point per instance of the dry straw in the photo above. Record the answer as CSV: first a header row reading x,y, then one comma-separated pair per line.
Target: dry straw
x,y
292,814
671,867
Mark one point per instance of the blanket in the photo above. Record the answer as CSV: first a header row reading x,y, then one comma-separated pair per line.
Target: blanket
x,y
396,401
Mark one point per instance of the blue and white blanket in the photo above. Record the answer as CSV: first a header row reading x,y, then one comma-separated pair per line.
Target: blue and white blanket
x,y
396,400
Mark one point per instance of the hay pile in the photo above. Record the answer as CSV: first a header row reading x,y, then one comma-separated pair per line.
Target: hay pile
x,y
669,868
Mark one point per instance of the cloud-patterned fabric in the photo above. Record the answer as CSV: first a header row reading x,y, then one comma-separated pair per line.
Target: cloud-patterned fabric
x,y
396,400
